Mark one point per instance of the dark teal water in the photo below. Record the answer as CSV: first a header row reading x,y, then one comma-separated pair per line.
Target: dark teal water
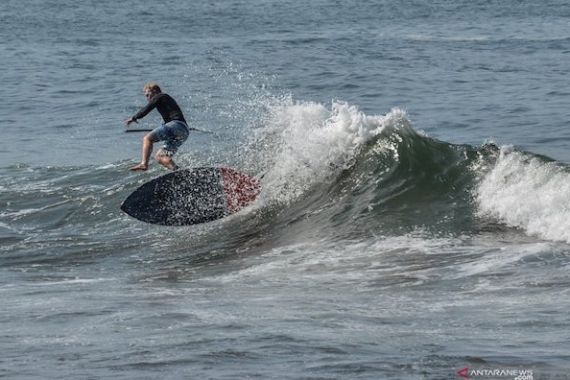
x,y
415,213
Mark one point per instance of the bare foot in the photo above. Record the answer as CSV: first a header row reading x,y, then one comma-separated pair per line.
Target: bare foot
x,y
167,163
139,167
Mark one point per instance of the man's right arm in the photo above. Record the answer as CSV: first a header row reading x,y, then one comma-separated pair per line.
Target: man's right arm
x,y
145,110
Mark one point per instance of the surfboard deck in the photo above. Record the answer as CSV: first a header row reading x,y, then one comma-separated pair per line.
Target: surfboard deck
x,y
192,196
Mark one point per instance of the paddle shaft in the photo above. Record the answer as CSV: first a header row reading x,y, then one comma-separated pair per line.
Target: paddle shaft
x,y
150,130
137,130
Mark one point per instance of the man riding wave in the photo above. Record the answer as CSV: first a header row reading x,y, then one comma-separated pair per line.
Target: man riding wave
x,y
174,131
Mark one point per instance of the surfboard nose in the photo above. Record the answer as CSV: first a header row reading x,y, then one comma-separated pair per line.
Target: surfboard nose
x,y
240,189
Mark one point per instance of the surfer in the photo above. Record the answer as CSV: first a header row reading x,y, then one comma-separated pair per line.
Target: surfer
x,y
174,131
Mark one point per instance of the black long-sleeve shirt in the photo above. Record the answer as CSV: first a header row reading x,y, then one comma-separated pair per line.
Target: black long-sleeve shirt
x,y
164,104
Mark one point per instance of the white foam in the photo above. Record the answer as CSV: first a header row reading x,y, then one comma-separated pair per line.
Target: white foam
x,y
72,281
311,143
528,193
327,262
20,213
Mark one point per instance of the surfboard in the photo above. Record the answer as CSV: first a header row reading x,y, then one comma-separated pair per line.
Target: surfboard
x,y
192,196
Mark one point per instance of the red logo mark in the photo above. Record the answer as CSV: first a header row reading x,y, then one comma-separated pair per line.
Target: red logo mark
x,y
464,373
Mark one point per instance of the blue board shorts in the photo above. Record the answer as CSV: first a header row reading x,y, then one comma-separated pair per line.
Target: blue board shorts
x,y
173,133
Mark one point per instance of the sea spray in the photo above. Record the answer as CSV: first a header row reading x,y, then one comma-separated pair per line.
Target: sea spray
x,y
306,143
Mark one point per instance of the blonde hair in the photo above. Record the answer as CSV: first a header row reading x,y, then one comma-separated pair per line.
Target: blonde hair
x,y
153,86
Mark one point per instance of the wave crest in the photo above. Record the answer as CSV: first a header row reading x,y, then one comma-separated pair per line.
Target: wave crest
x,y
306,144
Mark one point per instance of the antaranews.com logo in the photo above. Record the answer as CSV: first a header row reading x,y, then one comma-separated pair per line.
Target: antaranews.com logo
x,y
496,373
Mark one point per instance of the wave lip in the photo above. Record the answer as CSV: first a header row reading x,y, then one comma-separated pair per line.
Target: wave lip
x,y
528,192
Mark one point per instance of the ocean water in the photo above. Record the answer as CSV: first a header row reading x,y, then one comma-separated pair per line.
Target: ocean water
x,y
415,213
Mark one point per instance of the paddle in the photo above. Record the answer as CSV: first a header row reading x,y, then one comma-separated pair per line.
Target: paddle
x,y
137,130
150,130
